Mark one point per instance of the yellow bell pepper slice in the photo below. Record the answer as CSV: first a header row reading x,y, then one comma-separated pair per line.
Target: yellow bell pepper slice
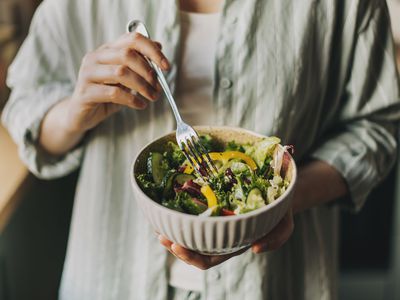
x,y
188,169
210,195
225,157
228,155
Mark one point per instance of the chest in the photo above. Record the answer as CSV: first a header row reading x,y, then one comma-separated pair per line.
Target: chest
x,y
272,58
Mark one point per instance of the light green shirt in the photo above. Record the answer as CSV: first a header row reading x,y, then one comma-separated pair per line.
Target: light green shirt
x,y
319,74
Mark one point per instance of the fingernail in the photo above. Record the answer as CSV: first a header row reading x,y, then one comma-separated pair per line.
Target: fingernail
x,y
173,247
141,105
165,64
259,249
154,95
162,240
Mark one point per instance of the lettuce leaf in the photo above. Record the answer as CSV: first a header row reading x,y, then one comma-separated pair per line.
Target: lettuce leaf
x,y
262,149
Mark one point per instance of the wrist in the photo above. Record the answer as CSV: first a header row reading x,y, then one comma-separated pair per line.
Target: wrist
x,y
58,135
317,183
69,125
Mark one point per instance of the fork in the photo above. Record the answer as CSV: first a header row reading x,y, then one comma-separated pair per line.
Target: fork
x,y
186,137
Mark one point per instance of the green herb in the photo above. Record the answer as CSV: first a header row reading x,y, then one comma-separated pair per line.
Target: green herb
x,y
233,146
238,187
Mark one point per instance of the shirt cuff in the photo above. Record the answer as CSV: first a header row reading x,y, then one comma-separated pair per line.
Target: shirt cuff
x,y
23,121
353,160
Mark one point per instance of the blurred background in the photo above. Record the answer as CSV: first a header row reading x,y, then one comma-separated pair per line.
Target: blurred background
x,y
35,214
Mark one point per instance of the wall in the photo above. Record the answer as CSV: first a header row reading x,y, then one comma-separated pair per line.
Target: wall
x,y
33,245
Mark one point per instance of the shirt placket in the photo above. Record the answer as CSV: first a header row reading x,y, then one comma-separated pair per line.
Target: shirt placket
x,y
214,286
224,76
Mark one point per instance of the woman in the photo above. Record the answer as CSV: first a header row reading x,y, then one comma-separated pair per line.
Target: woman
x,y
318,74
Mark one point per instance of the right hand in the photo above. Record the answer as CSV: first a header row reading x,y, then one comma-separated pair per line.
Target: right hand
x,y
109,74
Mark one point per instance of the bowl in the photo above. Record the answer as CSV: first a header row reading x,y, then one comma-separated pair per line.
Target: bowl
x,y
213,235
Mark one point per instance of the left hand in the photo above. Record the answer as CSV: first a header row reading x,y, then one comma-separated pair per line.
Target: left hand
x,y
272,241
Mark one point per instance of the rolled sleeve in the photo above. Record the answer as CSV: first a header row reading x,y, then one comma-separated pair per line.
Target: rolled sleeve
x,y
363,155
38,80
362,143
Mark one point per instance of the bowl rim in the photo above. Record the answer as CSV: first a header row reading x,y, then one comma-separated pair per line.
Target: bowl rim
x,y
247,215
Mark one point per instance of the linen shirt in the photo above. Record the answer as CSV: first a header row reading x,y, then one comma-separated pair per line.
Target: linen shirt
x,y
194,94
318,74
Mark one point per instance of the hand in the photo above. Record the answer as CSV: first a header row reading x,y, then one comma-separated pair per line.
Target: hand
x,y
109,74
272,241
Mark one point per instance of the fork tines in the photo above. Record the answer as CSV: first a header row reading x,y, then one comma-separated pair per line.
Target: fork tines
x,y
198,156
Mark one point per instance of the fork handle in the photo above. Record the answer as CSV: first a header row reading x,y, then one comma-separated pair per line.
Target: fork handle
x,y
138,26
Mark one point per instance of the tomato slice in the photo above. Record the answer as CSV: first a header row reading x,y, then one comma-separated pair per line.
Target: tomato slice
x,y
227,212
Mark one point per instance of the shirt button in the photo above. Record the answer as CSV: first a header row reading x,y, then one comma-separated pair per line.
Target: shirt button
x,y
215,275
193,296
225,83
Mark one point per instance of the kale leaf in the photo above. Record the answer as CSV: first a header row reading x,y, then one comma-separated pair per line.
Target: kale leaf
x,y
174,155
149,187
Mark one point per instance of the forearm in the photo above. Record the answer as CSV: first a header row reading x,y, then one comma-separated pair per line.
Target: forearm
x,y
317,183
56,137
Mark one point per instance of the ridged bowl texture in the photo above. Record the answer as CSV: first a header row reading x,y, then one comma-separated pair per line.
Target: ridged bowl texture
x,y
212,235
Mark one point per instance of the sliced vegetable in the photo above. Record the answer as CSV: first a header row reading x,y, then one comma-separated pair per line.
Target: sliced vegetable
x,y
226,156
254,200
254,197
227,212
192,188
188,169
183,181
208,193
156,167
168,184
192,205
248,177
262,149
182,178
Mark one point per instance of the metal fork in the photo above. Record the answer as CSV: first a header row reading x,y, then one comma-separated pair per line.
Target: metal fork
x,y
186,137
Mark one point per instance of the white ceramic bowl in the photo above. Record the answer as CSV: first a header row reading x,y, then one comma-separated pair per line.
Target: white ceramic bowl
x,y
212,235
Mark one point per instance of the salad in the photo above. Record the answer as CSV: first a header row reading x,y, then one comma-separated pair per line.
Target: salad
x,y
249,177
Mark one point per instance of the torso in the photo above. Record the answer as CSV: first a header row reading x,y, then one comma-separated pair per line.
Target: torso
x,y
268,78
194,95
201,6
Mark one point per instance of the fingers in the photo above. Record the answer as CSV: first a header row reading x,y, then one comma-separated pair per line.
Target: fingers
x,y
145,47
119,74
98,93
198,260
165,242
122,64
133,60
277,237
158,44
272,241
